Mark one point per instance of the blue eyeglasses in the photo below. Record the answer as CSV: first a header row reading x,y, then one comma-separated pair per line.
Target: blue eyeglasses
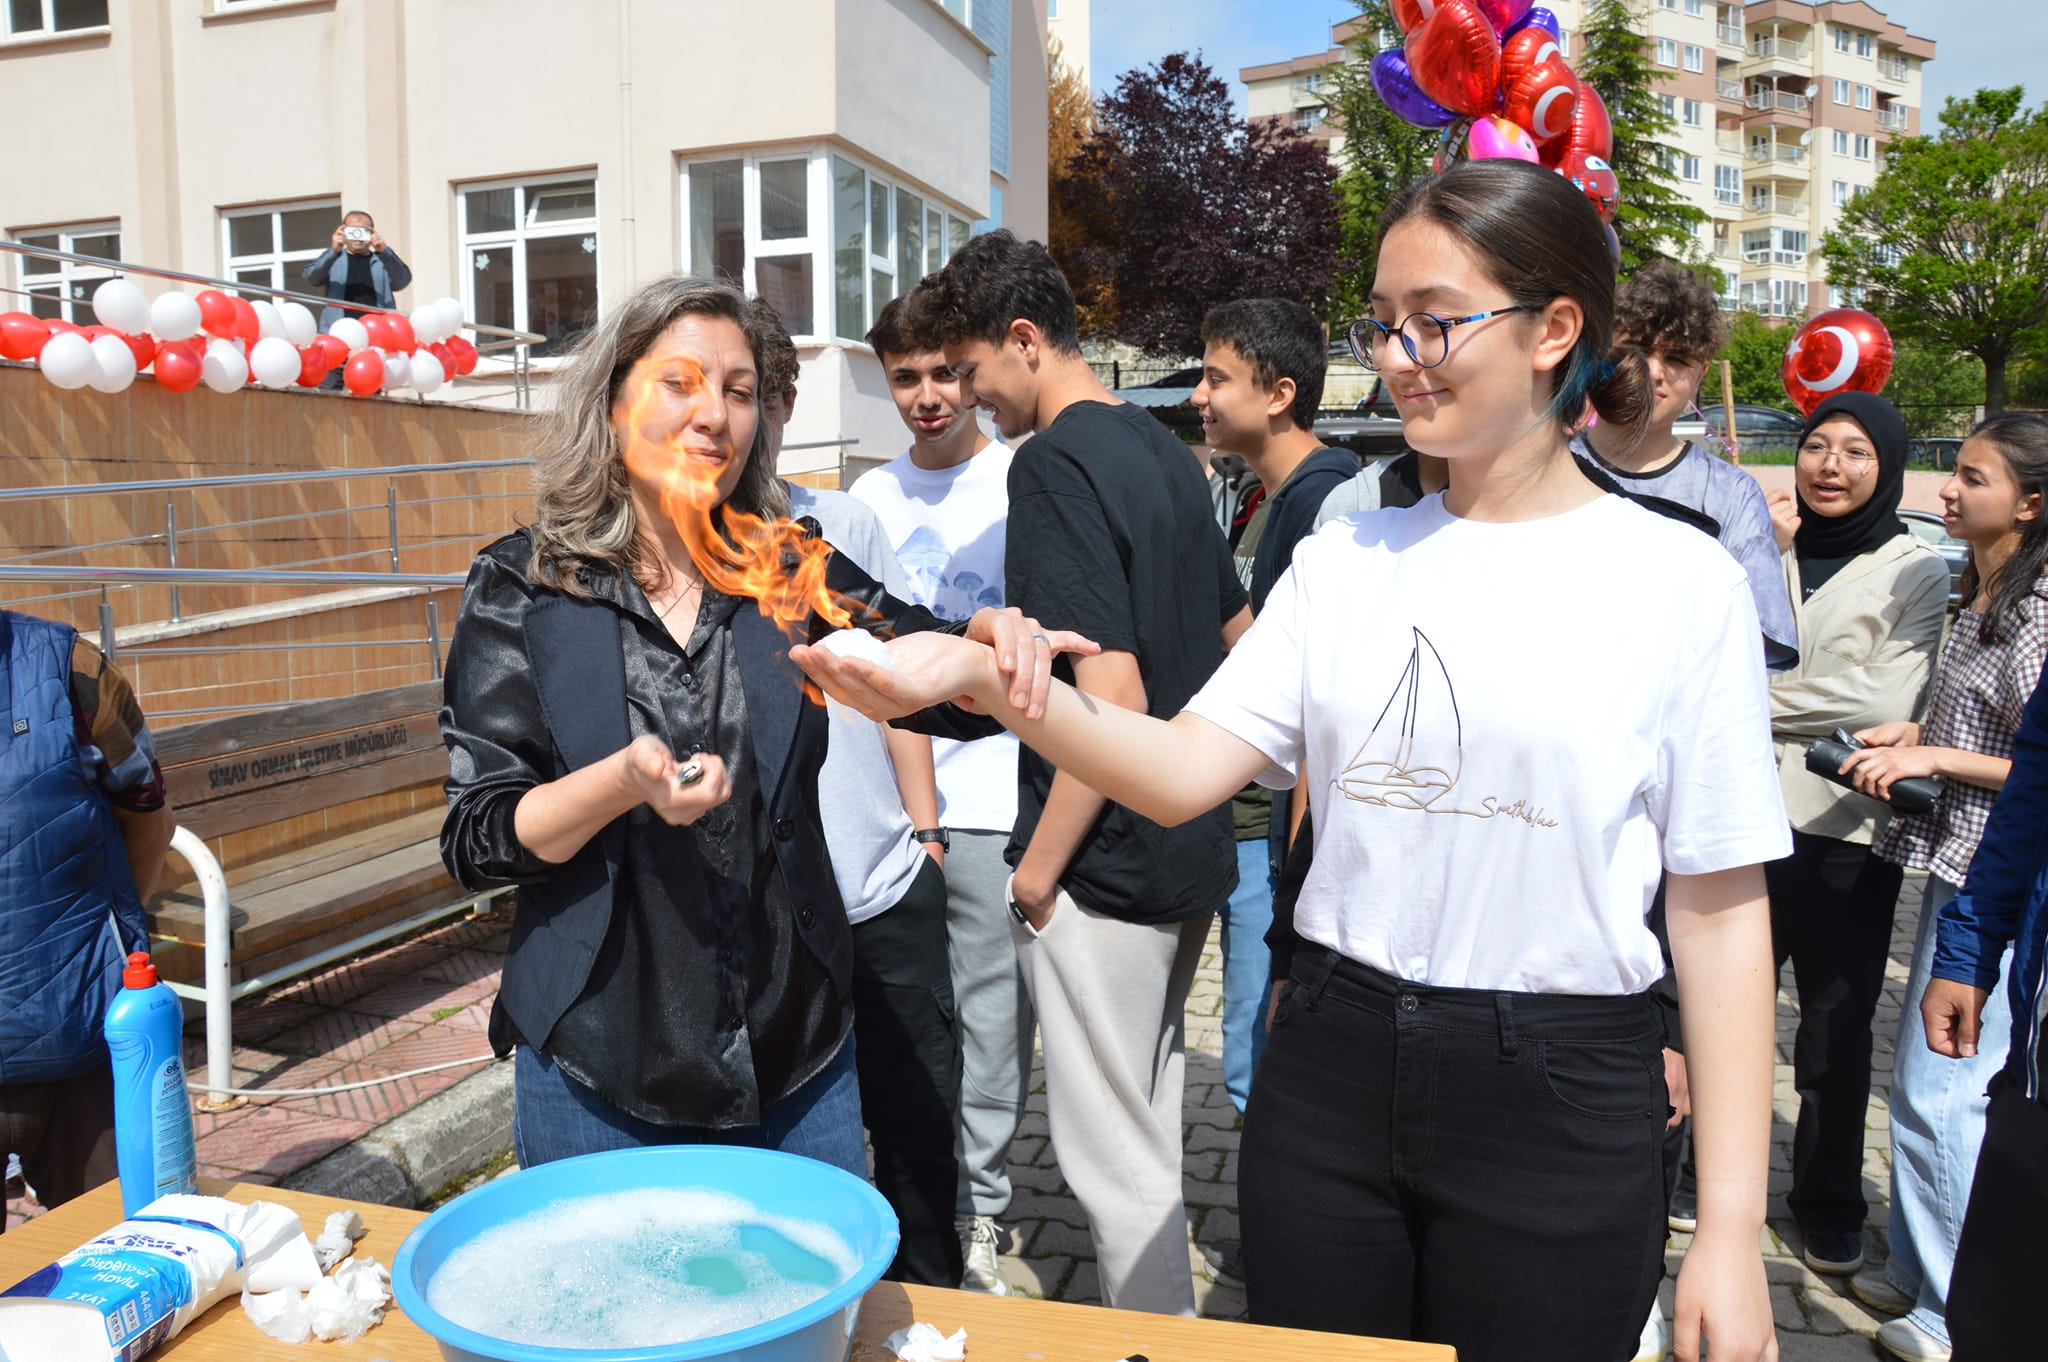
x,y
1424,335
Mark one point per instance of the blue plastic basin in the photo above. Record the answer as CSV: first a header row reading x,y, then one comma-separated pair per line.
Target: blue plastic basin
x,y
777,1184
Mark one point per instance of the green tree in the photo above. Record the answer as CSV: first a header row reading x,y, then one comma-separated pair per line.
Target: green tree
x,y
1381,153
1756,358
1655,220
1936,389
1949,244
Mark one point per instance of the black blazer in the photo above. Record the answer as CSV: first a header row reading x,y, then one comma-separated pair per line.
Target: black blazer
x,y
563,652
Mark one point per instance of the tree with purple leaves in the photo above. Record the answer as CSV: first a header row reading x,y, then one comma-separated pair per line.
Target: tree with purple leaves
x,y
1178,203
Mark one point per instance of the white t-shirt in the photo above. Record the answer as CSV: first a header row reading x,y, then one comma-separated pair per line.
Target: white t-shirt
x,y
948,528
874,859
1509,731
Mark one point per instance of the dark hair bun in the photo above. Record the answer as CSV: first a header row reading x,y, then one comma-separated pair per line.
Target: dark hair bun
x,y
1623,392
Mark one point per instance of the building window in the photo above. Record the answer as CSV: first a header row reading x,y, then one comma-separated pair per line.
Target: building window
x,y
1311,118
531,246
1775,297
962,10
1866,44
1667,52
1863,96
270,245
1840,192
1312,81
1774,246
1842,41
1841,142
62,289
26,17
1052,9
751,221
1696,7
1670,105
1694,113
1564,43
1862,146
1689,168
884,239
1667,4
1727,182
1695,57
1841,91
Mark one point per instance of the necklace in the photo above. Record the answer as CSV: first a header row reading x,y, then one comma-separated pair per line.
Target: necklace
x,y
662,612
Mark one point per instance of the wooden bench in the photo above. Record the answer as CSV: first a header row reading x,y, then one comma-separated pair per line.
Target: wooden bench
x,y
294,911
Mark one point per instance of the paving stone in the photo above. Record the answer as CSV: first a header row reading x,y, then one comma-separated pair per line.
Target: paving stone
x,y
1222,1194
1785,1309
1030,1150
1030,1205
1218,1226
1083,1285
1045,1278
1038,1178
1056,1239
1832,1310
1200,1137
1204,1165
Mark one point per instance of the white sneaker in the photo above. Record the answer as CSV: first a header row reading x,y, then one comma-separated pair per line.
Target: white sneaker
x,y
1655,1345
978,1246
1903,1338
1875,1290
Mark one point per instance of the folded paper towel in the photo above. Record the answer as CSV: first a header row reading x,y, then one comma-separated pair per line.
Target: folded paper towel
x,y
922,1342
125,1292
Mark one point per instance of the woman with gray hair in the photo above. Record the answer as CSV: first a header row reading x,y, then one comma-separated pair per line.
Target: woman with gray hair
x,y
629,744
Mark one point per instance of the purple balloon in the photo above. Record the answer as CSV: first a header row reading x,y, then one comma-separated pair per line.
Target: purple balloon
x,y
1504,14
1535,18
1396,86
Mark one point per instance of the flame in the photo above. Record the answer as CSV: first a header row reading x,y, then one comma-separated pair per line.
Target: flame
x,y
773,563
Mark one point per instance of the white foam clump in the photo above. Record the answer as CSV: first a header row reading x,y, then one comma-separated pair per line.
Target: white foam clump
x,y
858,644
614,1271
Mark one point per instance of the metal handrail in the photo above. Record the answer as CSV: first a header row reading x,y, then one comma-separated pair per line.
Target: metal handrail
x,y
253,479
225,577
515,341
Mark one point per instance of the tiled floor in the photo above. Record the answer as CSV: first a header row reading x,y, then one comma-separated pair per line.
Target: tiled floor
x,y
428,1000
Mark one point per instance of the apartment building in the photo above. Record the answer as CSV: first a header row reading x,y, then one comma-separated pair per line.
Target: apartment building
x,y
536,159
1781,110
1067,23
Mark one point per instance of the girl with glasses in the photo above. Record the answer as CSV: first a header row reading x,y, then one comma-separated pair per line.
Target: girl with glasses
x,y
1455,1131
1869,598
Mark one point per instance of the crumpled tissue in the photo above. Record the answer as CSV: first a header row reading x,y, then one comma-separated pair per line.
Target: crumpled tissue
x,y
922,1342
338,1238
342,1306
125,1292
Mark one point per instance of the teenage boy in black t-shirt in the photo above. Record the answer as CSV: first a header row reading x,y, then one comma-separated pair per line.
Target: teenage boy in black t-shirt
x,y
1110,534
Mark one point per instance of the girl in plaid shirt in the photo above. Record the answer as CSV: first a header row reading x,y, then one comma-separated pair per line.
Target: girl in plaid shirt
x,y
1993,661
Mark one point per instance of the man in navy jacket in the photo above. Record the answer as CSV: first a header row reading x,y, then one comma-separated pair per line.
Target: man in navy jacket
x,y
1993,1299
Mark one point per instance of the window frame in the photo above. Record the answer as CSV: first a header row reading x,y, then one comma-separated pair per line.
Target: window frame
x,y
1689,167
1692,113
1695,57
1843,40
1725,192
48,32
1866,45
1669,45
279,259
1866,98
466,242
66,273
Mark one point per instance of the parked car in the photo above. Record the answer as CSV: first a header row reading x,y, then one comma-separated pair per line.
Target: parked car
x,y
1953,551
1370,430
1757,428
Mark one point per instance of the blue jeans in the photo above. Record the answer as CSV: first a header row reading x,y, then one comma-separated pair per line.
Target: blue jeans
x,y
1938,1108
1246,961
555,1117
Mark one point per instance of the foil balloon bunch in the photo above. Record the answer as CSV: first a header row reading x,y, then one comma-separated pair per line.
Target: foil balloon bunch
x,y
1493,76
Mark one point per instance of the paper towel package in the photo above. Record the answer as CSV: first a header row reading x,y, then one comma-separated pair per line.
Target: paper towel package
x,y
117,1297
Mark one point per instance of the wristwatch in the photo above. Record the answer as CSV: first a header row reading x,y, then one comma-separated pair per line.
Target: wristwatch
x,y
939,835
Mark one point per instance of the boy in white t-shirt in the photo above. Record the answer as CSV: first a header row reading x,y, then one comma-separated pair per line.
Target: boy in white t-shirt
x,y
944,505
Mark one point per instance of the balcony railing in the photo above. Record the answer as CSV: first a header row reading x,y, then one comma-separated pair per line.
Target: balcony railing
x,y
1778,152
1728,141
1731,197
1770,257
1777,203
1725,250
1894,118
1764,45
1728,89
1892,68
1780,101
1730,34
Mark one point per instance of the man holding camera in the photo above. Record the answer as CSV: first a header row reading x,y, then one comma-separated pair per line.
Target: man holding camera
x,y
358,269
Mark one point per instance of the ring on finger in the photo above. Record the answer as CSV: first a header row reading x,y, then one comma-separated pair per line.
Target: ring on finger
x,y
691,772
1041,638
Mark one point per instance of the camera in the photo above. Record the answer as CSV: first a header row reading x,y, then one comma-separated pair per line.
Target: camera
x,y
355,233
1912,794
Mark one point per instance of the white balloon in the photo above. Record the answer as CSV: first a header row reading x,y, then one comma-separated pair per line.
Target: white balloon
x,y
174,316
300,326
120,304
68,360
397,371
452,319
426,373
426,323
275,362
349,332
268,322
114,364
224,369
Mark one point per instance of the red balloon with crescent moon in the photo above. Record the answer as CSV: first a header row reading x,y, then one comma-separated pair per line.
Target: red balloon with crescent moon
x,y
1842,350
1591,132
1525,52
1455,58
1544,99
1412,14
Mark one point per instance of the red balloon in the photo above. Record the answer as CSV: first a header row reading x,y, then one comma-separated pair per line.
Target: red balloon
x,y
22,335
1544,99
144,347
1842,350
1524,52
248,330
1455,58
364,373
313,367
441,351
216,313
1591,132
333,350
58,326
178,364
1412,14
1593,177
1502,14
383,334
465,354
402,333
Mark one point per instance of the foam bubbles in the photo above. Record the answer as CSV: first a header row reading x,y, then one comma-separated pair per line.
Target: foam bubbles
x,y
636,1269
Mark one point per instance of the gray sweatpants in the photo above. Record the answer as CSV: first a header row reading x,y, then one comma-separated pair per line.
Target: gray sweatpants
x,y
995,1018
1111,999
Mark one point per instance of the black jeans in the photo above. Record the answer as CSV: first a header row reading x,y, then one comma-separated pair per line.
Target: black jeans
x,y
1994,1294
64,1132
908,1061
1831,916
1456,1166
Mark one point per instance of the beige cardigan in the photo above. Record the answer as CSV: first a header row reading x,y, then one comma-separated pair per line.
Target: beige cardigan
x,y
1867,645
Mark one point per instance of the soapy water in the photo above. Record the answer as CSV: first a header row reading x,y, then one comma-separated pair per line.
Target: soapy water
x,y
636,1269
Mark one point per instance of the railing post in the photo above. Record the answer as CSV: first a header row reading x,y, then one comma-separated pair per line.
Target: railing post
x,y
391,504
106,625
434,633
171,538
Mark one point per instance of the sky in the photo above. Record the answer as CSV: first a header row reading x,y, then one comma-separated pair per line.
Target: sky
x,y
1978,42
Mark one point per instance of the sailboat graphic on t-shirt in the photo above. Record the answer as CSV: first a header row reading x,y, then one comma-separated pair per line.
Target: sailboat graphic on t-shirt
x,y
1411,761
1415,753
